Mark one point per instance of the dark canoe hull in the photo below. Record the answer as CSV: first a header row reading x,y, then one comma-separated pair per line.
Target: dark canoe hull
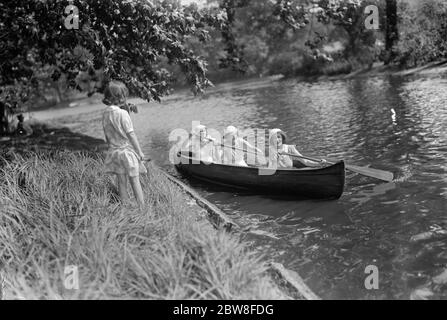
x,y
316,183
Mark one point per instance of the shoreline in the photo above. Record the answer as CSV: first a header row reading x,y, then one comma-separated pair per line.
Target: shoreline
x,y
93,103
50,141
378,69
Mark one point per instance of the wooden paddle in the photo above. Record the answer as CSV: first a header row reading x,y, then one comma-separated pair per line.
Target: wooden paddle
x,y
236,148
370,172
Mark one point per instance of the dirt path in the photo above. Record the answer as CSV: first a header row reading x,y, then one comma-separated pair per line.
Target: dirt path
x,y
86,105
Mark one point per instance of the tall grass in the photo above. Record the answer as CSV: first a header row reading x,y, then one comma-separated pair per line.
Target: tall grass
x,y
60,209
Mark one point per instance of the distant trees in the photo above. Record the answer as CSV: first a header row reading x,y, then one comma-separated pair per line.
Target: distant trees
x,y
423,33
292,39
264,30
350,16
260,29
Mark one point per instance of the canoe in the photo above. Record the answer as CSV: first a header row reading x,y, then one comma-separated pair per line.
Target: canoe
x,y
315,183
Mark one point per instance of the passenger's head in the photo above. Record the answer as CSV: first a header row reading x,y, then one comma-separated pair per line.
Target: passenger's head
x,y
115,93
277,138
230,131
200,131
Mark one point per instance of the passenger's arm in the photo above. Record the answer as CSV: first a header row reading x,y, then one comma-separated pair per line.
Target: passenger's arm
x,y
248,145
134,141
308,163
260,154
217,153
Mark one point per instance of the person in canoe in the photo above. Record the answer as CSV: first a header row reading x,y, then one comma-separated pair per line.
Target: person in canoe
x,y
233,149
202,145
278,152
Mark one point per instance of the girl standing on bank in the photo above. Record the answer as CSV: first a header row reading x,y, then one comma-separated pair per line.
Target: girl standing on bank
x,y
124,157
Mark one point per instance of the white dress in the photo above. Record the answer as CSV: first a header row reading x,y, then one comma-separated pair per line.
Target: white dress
x,y
277,160
234,154
121,158
204,151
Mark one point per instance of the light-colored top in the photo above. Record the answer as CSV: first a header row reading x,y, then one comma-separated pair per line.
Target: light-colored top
x,y
233,153
121,158
205,151
117,124
278,160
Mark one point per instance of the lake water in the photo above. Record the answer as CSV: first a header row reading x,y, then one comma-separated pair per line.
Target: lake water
x,y
391,123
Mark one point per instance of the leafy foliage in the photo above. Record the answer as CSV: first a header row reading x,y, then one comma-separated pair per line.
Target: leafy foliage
x,y
349,15
124,38
289,37
264,23
130,40
424,34
151,44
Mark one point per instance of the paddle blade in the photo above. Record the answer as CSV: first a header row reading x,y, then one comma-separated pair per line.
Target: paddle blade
x,y
370,172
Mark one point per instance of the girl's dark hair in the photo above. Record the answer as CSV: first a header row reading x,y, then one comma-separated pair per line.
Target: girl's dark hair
x,y
283,135
284,138
115,93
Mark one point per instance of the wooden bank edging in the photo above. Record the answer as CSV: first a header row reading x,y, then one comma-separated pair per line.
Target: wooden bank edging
x,y
216,216
220,220
294,280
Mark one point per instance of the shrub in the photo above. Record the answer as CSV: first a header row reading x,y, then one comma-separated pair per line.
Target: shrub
x,y
423,35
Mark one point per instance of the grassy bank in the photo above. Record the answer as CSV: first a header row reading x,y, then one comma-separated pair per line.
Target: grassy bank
x,y
58,209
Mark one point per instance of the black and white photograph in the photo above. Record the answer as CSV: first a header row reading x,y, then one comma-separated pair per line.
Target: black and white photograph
x,y
223,155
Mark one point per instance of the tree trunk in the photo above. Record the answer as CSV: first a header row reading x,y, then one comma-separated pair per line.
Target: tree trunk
x,y
58,89
391,32
3,119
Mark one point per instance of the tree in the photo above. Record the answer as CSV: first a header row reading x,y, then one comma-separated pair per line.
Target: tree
x,y
349,15
133,40
252,22
126,39
259,31
423,33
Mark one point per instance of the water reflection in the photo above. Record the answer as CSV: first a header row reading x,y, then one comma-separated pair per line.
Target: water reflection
x,y
330,243
390,123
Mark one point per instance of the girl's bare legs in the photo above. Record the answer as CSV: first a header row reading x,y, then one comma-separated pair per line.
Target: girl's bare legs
x,y
121,180
137,191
